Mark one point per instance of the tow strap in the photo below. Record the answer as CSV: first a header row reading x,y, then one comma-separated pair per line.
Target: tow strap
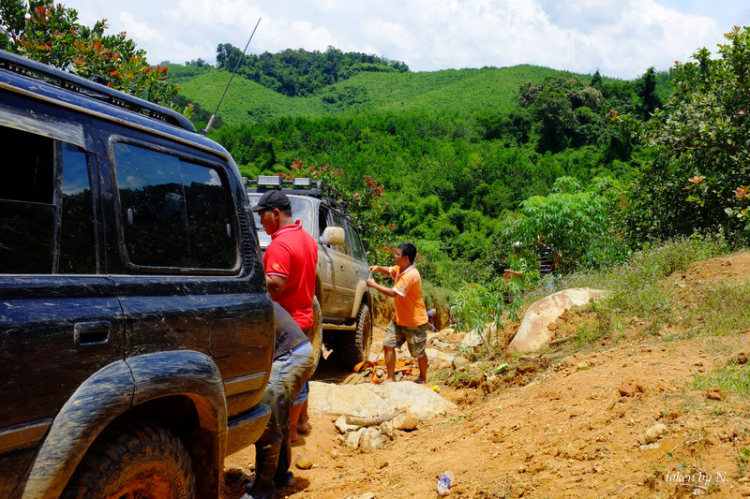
x,y
361,369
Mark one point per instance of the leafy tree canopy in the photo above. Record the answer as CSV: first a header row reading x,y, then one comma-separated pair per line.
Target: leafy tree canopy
x,y
300,72
697,180
50,33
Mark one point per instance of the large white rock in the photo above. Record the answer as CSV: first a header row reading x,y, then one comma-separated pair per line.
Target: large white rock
x,y
371,401
533,334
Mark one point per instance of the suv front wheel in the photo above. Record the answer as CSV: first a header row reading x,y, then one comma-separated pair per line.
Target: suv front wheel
x,y
144,461
355,347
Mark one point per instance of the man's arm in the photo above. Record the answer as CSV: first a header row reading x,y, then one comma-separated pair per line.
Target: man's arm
x,y
382,270
386,291
275,284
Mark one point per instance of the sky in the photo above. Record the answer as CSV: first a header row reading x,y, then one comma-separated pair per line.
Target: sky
x,y
620,38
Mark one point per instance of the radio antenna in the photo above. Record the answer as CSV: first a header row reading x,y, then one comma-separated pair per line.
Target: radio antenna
x,y
211,120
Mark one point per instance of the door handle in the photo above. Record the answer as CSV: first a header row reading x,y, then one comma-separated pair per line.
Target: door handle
x,y
91,333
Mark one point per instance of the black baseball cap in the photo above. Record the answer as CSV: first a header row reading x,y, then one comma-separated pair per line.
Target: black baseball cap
x,y
271,200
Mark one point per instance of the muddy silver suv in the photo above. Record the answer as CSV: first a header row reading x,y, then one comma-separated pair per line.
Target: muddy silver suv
x,y
341,276
136,330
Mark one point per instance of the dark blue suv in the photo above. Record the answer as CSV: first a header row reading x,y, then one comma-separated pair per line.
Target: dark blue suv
x,y
136,331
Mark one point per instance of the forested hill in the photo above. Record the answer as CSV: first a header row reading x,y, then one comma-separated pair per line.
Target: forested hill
x,y
458,153
461,91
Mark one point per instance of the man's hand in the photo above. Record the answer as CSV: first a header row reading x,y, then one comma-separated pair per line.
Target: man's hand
x,y
386,291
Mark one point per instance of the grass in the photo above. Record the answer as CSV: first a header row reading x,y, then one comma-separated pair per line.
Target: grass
x,y
734,378
637,294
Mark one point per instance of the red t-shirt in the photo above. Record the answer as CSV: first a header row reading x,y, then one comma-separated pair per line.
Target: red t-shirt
x,y
293,255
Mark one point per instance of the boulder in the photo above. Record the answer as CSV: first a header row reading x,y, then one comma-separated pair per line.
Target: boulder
x,y
372,401
534,334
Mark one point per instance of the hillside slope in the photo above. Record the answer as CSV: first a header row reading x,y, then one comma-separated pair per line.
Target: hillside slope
x,y
464,90
565,425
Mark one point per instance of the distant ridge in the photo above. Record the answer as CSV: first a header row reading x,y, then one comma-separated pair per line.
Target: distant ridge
x,y
451,90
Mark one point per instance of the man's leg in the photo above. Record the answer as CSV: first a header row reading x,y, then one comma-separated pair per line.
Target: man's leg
x,y
394,338
390,364
301,366
269,444
299,417
416,338
423,367
304,417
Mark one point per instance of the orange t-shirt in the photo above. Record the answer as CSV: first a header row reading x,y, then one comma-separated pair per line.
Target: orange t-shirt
x,y
410,309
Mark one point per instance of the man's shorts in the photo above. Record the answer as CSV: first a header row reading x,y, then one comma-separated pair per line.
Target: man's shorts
x,y
414,336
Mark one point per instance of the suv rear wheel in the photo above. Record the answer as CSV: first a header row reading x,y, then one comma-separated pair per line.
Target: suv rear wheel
x,y
145,462
355,347
316,336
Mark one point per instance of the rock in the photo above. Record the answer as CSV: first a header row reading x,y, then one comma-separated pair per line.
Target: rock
x,y
370,440
629,388
353,438
439,360
470,341
366,495
533,334
653,434
386,429
742,358
407,421
367,400
648,447
460,362
343,427
303,463
715,393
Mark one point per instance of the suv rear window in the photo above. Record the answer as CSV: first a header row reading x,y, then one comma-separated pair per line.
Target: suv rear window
x,y
175,213
46,210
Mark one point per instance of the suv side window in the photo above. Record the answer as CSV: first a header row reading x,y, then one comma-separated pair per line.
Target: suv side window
x,y
46,210
175,214
354,243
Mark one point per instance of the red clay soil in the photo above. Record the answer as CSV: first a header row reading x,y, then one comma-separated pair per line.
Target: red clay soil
x,y
623,421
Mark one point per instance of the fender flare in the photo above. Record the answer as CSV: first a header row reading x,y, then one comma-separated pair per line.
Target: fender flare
x,y
362,293
112,391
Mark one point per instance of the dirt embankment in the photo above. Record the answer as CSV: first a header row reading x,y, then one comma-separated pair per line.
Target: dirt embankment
x,y
622,420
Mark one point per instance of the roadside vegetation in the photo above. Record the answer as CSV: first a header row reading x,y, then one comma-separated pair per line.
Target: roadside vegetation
x,y
628,181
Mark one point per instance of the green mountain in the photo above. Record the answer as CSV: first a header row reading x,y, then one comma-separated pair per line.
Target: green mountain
x,y
462,91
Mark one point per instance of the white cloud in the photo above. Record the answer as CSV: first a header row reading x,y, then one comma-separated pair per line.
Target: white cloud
x,y
621,38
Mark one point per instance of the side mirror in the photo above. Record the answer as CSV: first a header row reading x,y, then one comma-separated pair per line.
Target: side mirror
x,y
333,236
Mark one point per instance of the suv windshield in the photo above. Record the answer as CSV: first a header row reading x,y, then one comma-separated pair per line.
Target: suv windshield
x,y
302,209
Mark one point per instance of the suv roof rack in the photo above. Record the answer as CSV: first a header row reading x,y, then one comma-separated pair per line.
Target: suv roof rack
x,y
300,186
40,71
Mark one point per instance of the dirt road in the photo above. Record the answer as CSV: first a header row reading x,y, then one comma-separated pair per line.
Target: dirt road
x,y
621,421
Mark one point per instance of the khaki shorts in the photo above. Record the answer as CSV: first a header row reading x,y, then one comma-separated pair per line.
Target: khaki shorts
x,y
414,336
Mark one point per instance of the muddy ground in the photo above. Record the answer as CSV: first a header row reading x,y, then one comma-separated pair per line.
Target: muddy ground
x,y
619,420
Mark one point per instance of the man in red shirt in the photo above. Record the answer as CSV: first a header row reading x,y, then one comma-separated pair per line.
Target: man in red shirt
x,y
410,323
290,259
289,263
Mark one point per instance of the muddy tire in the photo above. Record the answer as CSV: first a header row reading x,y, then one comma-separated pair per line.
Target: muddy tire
x,y
145,462
316,336
354,347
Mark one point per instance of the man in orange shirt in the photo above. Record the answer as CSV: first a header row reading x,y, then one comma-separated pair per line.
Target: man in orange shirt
x,y
410,322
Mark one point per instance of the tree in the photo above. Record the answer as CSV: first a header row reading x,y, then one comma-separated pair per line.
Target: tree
x,y
553,112
596,80
646,89
50,33
696,181
581,223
